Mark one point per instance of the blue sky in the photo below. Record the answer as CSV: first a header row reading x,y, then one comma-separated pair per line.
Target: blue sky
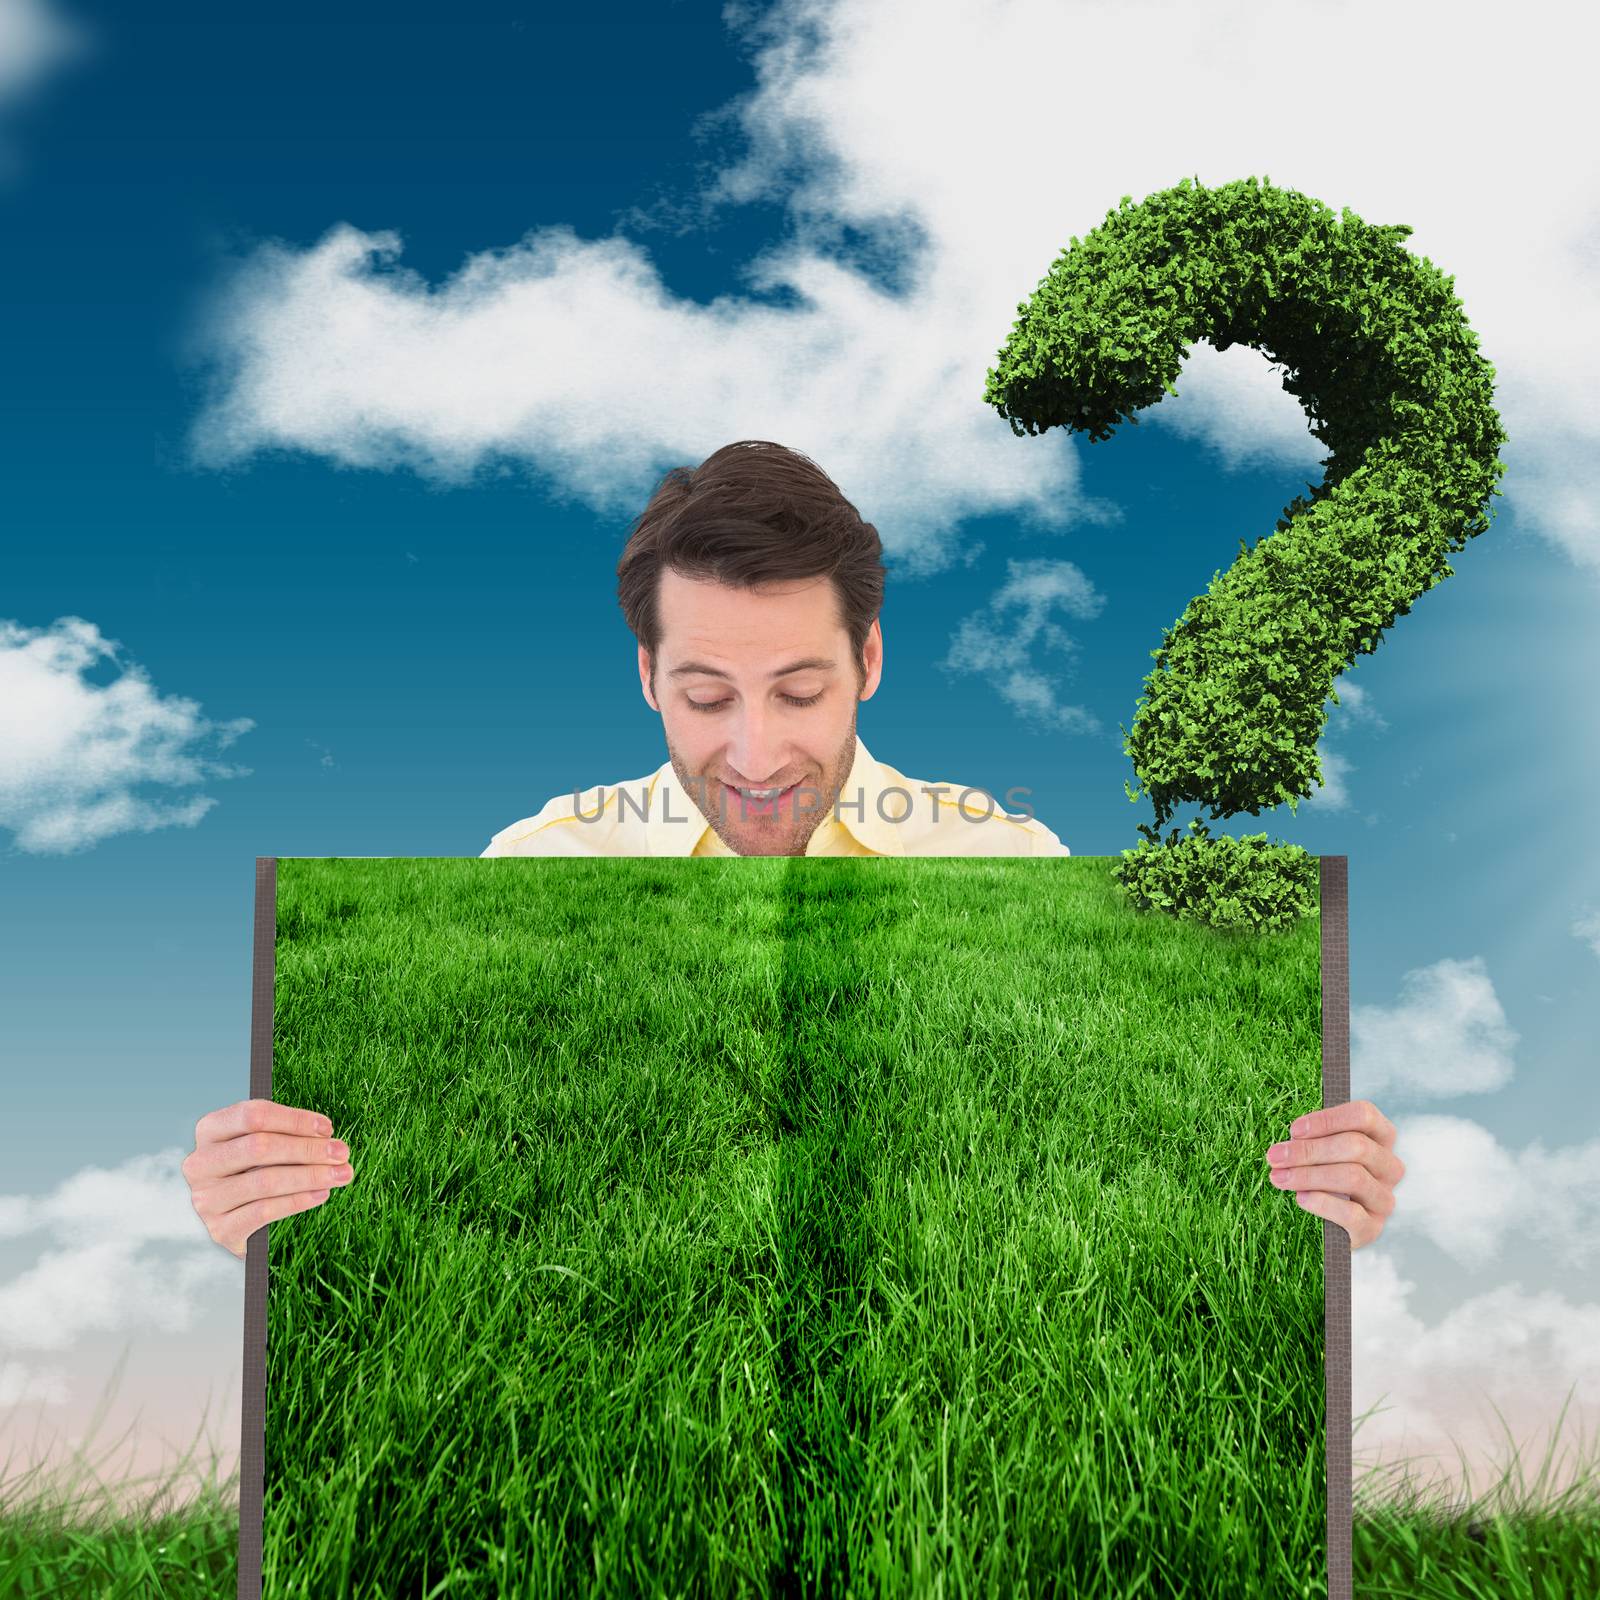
x,y
339,355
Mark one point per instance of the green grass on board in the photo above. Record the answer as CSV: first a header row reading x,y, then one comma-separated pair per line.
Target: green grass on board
x,y
792,1227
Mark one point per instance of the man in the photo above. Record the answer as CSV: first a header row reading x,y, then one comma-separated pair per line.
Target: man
x,y
753,588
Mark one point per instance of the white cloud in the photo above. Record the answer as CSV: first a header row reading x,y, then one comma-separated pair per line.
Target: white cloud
x,y
106,1288
1233,401
1333,793
144,1200
19,1385
34,39
1525,1354
127,1253
73,752
1355,706
1471,1195
1000,640
1446,1035
573,355
880,116
1587,928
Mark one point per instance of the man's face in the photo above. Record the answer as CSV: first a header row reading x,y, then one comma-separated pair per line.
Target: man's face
x,y
728,679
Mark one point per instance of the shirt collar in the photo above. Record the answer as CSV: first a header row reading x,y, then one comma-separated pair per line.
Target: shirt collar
x,y
675,824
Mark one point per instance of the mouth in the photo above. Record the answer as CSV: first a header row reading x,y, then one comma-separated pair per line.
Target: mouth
x,y
758,802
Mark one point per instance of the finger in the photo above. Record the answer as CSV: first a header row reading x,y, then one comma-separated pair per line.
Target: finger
x,y
247,1220
1362,1148
219,1199
1359,1224
1342,1177
221,1160
1353,1116
259,1116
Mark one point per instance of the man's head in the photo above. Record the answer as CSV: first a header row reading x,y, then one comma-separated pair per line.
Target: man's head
x,y
738,571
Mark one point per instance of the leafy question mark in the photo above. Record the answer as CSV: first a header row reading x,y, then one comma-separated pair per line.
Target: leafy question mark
x,y
1376,347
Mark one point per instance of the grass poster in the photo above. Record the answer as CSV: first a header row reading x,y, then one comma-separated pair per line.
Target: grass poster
x,y
791,1226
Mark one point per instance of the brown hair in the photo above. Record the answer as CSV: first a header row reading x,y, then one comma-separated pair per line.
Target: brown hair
x,y
752,513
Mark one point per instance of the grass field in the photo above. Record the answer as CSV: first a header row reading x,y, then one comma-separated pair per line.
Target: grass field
x,y
790,1227
81,1527
1534,1534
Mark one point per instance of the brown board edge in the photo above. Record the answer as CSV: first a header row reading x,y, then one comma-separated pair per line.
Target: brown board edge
x,y
253,1401
1335,903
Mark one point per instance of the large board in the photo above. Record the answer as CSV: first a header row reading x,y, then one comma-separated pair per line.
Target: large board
x,y
792,1226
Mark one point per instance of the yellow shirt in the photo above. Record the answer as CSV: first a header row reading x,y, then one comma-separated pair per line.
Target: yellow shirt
x,y
879,812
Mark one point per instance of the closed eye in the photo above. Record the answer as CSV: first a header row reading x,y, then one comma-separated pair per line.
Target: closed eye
x,y
794,700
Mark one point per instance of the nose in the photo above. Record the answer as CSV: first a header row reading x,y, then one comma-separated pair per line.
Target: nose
x,y
756,754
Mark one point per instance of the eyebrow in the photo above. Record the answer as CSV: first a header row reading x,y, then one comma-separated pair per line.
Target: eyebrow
x,y
822,663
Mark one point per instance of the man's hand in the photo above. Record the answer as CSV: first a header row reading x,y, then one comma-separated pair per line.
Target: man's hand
x,y
256,1161
1340,1162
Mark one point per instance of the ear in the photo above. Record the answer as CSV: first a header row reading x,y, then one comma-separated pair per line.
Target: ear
x,y
872,657
644,678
